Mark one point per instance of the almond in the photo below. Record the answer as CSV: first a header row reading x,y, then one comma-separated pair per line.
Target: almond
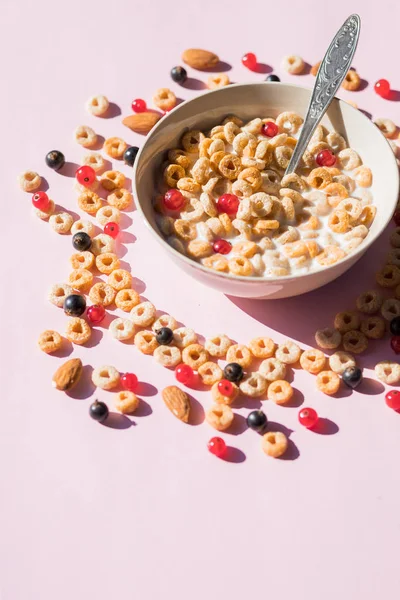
x,y
142,122
67,375
177,401
200,59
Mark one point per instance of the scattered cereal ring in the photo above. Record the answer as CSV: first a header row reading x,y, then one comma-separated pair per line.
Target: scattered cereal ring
x,y
108,214
313,361
355,342
210,373
328,338
122,329
280,391
115,147
61,222
217,81
29,181
374,327
89,202
45,214
393,258
352,81
143,314
87,188
253,385
346,321
102,293
78,331
293,64
111,180
328,382
146,341
58,292
126,402
95,160
220,417
107,263
121,198
272,369
126,299
389,276
395,238
105,377
387,127
82,225
167,356
50,341
390,309
164,99
165,321
82,260
340,361
262,347
369,302
184,336
288,352
85,136
388,372
120,279
80,279
102,244
221,398
274,443
97,105
218,345
240,354
195,355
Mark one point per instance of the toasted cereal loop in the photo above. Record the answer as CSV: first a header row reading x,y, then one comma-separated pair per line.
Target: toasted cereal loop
x,y
220,416
115,147
374,327
58,292
352,81
240,354
102,293
393,258
95,160
164,99
195,355
107,263
122,329
241,266
120,279
390,309
106,377
313,361
280,391
120,198
86,188
387,127
102,244
126,299
253,385
221,398
355,342
89,202
210,373
146,341
288,352
82,260
340,361
388,372
217,81
272,369
61,222
216,262
274,443
78,331
395,238
111,180
165,321
328,338
29,181
108,214
330,255
143,314
363,176
328,382
262,347
50,341
85,136
82,225
80,279
126,402
289,122
389,276
167,356
199,248
45,214
184,336
346,321
97,105
369,302
293,64
339,221
218,345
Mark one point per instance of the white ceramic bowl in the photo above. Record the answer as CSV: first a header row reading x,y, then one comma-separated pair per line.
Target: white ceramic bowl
x,y
266,99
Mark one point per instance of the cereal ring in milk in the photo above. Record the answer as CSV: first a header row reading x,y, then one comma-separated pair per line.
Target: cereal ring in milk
x,y
373,327
115,147
313,361
122,329
293,64
85,136
241,266
340,361
355,342
97,105
191,140
330,255
143,314
328,382
253,385
29,181
58,292
106,377
240,354
210,373
289,122
50,341
94,160
102,293
167,356
126,402
274,443
349,159
61,222
363,176
280,392
78,331
220,417
146,341
172,174
195,355
218,345
179,157
388,372
199,248
110,180
82,260
288,352
126,299
328,338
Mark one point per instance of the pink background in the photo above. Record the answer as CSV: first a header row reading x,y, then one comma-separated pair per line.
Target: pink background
x,y
141,509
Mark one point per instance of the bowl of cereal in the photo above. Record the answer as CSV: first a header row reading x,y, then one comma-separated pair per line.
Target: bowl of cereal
x,y
210,184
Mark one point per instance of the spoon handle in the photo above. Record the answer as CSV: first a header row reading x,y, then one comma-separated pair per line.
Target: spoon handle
x,y
333,69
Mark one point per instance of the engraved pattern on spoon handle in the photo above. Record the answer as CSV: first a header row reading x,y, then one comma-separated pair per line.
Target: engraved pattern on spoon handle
x,y
333,69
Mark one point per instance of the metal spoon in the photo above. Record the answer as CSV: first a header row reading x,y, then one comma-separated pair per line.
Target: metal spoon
x,y
333,69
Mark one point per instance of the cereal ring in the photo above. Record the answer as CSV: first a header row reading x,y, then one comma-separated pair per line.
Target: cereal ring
x,y
50,341
363,176
272,369
389,276
240,354
102,244
110,180
253,385
340,361
387,127
185,229
106,377
172,174
288,352
120,279
349,159
143,314
191,140
335,193
80,279
179,157
295,249
210,373
122,329
230,166
29,181
388,372
164,99
262,347
217,81
289,122
393,258
355,342
188,185
121,198
58,292
195,355
165,321
146,341
369,302
274,443
126,299
293,64
220,416
319,178
330,255
126,402
107,263
231,130
233,119
395,238
82,225
374,327
199,248
115,147
95,160
346,321
353,208
108,214
251,175
85,136
82,260
102,293
61,222
294,182
241,266
45,214
390,309
216,262
328,382
201,169
97,105
328,339
89,202
352,81
218,345
78,331
280,391
313,361
167,356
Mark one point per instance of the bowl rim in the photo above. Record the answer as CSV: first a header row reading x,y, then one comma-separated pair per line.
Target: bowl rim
x,y
369,240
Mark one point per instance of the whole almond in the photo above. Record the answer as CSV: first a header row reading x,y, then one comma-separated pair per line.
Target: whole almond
x,y
200,59
142,122
177,401
67,375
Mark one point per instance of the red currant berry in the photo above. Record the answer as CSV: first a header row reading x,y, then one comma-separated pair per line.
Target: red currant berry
x,y
228,203
174,200
270,129
129,381
325,158
111,229
96,313
85,175
217,446
40,200
382,88
393,399
396,217
222,246
308,417
395,344
249,60
184,374
139,105
225,387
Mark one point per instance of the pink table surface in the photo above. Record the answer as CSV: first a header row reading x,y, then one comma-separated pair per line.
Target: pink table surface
x,y
140,509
